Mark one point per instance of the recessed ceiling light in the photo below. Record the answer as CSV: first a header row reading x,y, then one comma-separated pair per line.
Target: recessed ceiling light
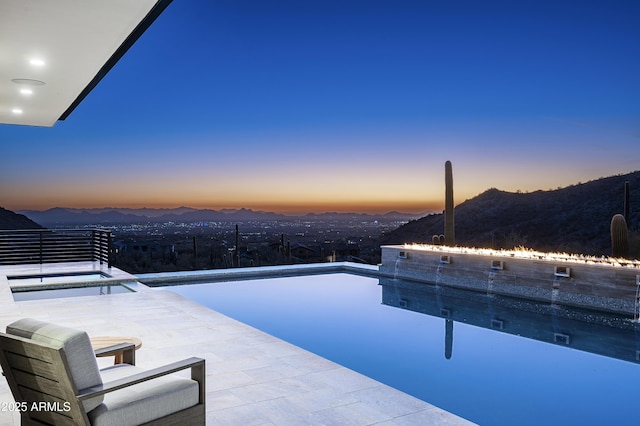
x,y
37,62
16,111
28,82
26,91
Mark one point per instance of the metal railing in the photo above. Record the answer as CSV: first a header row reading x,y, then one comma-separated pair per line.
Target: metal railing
x,y
55,245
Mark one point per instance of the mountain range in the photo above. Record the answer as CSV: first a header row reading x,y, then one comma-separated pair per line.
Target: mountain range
x,y
575,219
12,220
58,216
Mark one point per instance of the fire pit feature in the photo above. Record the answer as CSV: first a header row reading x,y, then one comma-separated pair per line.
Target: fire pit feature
x,y
590,282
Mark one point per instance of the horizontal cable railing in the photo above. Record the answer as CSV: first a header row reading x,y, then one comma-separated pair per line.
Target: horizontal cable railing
x,y
52,246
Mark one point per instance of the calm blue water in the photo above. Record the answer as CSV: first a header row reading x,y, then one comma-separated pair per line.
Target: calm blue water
x,y
491,377
70,292
51,279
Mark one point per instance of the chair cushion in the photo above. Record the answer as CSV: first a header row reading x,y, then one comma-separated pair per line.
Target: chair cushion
x,y
77,348
145,401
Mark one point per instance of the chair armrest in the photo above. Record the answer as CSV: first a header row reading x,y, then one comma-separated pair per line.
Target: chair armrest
x,y
114,349
197,374
128,351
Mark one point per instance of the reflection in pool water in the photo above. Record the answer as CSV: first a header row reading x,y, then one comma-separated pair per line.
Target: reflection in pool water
x,y
490,359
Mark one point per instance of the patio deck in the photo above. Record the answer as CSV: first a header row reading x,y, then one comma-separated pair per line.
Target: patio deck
x,y
253,378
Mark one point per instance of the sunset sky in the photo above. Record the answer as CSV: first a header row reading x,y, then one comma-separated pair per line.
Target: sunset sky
x,y
301,106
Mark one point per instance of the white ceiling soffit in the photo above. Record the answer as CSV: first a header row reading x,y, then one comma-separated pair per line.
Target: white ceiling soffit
x,y
54,52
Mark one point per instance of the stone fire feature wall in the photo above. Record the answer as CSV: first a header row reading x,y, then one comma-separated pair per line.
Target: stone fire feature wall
x,y
570,280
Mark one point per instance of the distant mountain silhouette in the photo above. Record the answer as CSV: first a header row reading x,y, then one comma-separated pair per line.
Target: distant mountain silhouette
x,y
11,220
60,217
394,215
226,215
575,219
148,212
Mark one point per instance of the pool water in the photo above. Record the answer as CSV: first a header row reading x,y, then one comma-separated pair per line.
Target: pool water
x,y
448,358
20,296
56,278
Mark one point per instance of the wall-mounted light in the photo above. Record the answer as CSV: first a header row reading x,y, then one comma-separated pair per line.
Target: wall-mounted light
x,y
562,271
16,111
497,265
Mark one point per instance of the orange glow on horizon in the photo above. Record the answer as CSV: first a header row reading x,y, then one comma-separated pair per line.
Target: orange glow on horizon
x,y
404,188
377,207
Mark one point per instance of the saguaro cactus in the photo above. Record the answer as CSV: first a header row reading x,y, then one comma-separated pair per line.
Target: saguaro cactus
x,y
619,236
449,233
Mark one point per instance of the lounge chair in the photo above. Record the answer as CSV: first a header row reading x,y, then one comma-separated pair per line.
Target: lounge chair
x,y
55,380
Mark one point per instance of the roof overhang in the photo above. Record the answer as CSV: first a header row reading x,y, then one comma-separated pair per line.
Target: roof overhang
x,y
53,53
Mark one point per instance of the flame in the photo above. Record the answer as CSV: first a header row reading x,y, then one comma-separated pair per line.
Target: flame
x,y
525,253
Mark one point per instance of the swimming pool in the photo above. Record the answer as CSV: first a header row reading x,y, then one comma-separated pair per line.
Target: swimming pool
x,y
56,278
65,284
465,352
20,295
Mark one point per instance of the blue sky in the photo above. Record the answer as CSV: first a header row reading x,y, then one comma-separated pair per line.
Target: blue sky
x,y
344,105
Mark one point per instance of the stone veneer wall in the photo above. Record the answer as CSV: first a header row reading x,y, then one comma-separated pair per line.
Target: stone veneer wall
x,y
596,286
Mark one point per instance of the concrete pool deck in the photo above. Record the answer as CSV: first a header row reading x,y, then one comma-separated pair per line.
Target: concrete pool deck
x,y
253,378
